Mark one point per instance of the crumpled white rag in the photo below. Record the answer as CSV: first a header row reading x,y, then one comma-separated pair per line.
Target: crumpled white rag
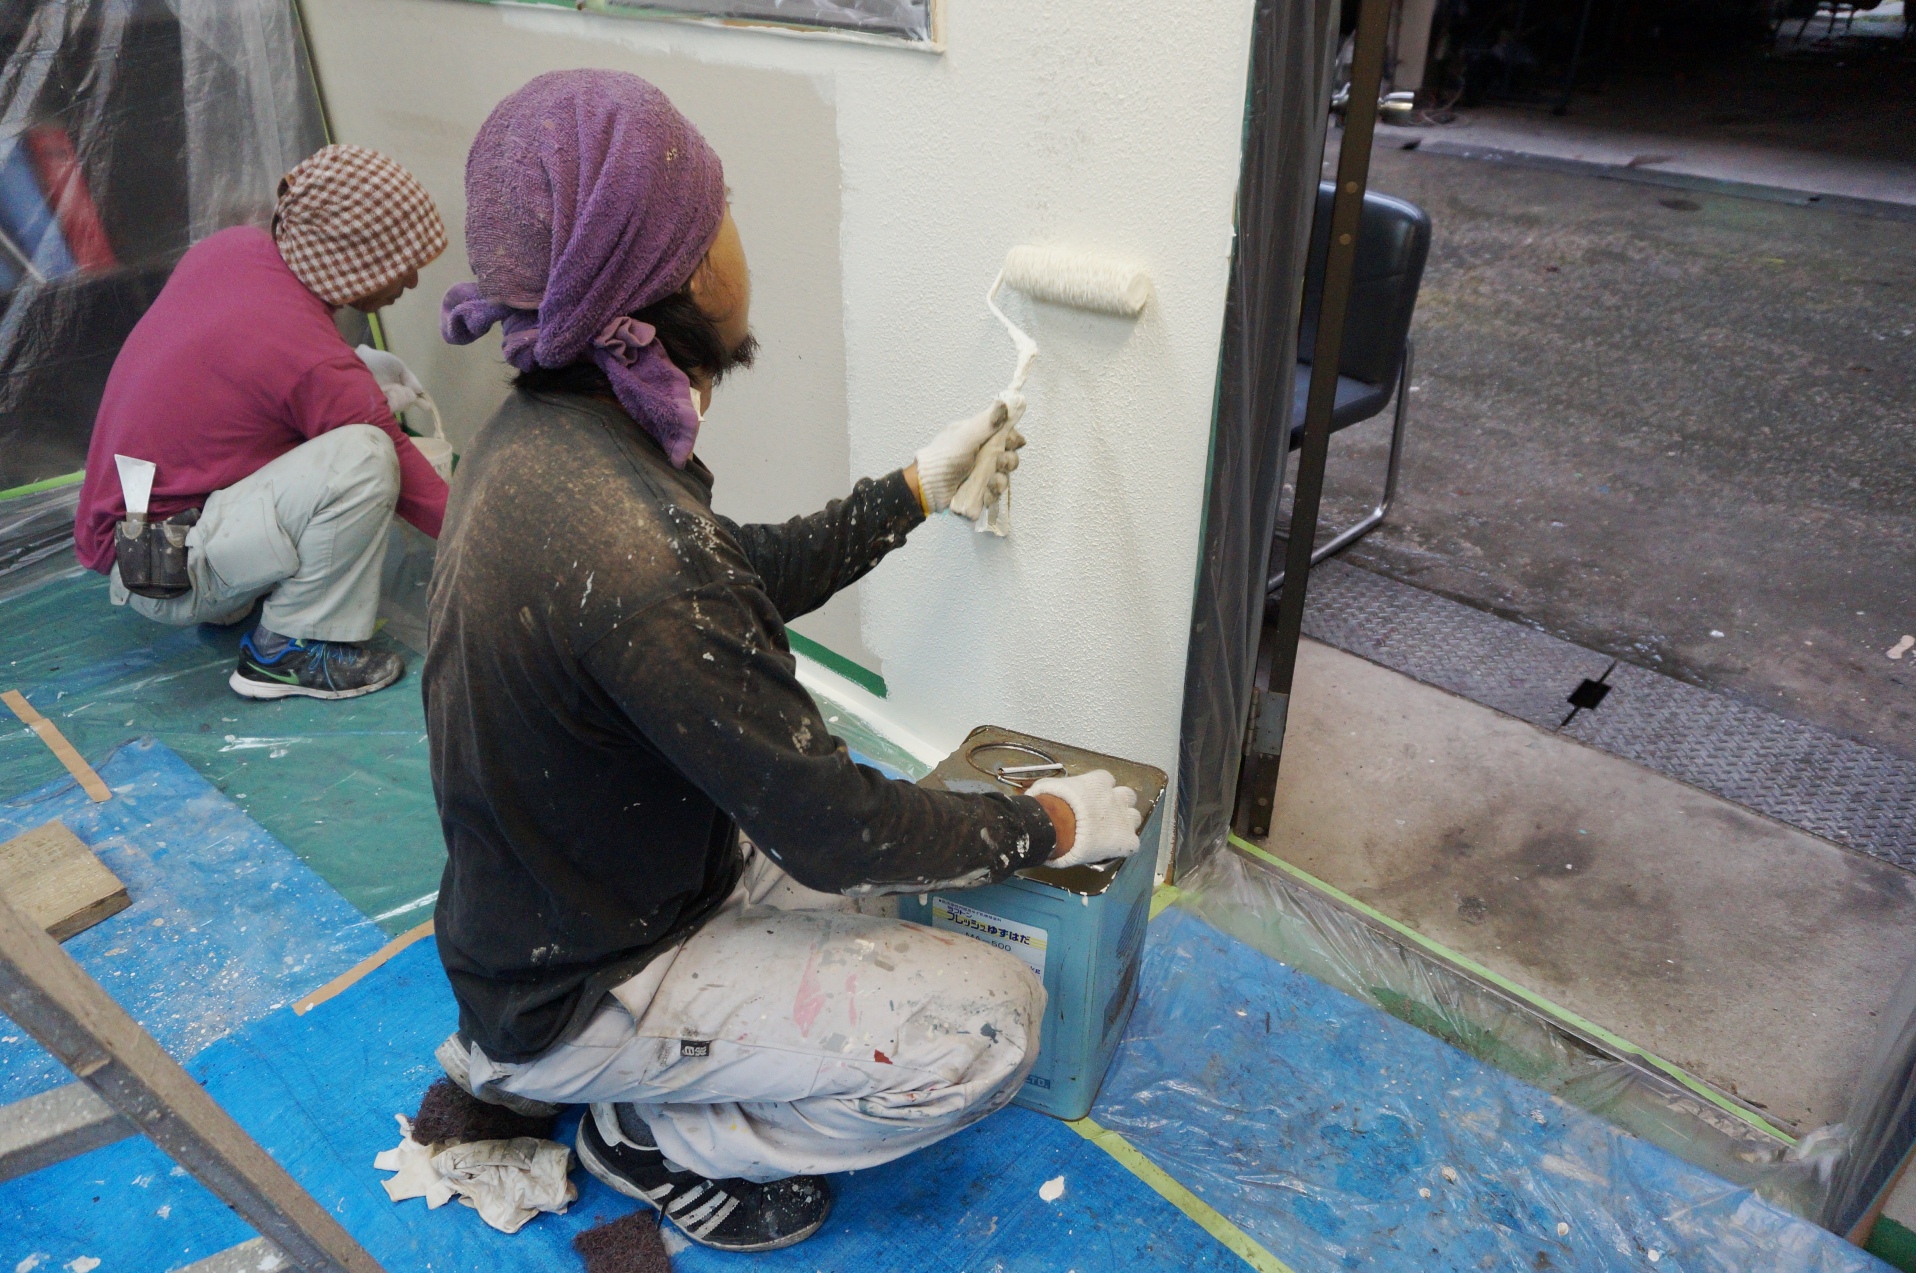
x,y
507,1181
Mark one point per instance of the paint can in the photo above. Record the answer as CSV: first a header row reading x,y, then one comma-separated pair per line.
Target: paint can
x,y
1080,929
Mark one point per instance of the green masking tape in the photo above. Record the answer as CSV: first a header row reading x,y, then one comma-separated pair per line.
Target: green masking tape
x,y
44,484
1613,1041
837,662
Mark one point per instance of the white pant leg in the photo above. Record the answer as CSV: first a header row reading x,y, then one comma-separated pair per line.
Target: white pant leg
x,y
785,1042
307,530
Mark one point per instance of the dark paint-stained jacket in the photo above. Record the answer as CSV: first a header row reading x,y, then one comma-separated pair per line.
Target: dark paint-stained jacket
x,y
610,698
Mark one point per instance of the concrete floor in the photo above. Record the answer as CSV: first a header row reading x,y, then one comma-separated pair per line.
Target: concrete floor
x,y
1674,429
1751,953
1858,101
1650,147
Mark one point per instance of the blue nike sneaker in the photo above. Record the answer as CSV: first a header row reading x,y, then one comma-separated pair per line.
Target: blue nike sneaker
x,y
273,666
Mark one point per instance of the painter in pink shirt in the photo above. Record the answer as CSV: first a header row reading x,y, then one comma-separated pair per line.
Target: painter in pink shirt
x,y
236,363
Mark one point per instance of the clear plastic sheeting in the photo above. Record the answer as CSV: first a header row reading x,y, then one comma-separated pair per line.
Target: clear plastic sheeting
x,y
1337,1136
1313,933
1289,99
128,130
36,538
1881,1117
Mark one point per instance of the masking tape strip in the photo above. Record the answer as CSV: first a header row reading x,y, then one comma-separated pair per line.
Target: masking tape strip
x,y
1162,896
57,743
1240,1243
1614,1041
44,484
345,979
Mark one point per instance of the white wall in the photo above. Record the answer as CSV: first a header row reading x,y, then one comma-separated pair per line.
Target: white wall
x,y
877,189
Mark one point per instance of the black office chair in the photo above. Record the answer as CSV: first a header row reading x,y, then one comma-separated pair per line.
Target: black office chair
x,y
1393,239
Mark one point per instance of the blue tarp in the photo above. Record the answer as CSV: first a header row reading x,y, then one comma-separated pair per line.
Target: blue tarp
x,y
1335,1135
1341,1138
225,925
320,1092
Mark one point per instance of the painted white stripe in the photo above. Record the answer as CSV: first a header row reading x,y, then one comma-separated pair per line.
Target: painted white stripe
x,y
413,905
719,1198
705,1229
685,1200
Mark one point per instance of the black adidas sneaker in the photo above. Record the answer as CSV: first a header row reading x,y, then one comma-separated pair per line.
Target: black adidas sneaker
x,y
729,1215
313,669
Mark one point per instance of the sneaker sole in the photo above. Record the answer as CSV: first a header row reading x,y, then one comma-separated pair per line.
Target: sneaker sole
x,y
613,1180
248,688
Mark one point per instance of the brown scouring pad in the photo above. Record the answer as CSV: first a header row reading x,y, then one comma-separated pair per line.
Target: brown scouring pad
x,y
448,1115
630,1244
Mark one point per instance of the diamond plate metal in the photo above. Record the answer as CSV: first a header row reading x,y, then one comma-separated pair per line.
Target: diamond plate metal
x,y
1826,784
1492,661
1823,783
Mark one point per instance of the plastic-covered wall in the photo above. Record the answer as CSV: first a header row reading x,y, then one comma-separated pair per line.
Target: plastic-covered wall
x,y
1284,145
878,189
128,129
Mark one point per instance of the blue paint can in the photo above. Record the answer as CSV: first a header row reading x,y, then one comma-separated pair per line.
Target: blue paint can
x,y
1080,929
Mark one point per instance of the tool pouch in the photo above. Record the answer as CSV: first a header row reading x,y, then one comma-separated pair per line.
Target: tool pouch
x,y
152,555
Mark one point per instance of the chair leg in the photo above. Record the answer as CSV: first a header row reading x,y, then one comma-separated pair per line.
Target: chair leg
x,y
1375,518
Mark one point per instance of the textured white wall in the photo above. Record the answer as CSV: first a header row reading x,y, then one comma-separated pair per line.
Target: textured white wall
x,y
1113,126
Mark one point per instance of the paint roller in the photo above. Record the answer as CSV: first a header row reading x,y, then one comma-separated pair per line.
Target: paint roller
x,y
1061,276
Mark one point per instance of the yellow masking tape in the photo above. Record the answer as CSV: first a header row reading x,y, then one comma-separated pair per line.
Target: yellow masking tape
x,y
1240,1243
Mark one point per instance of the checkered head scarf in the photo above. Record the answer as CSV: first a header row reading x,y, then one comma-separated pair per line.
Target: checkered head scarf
x,y
351,221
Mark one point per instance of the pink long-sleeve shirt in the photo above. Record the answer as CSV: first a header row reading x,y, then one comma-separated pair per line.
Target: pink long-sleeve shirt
x,y
235,364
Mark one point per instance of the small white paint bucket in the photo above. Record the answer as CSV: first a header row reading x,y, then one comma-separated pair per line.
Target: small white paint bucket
x,y
436,449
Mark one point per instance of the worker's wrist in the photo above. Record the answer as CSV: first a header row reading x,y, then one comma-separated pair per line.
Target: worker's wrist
x,y
1063,822
917,488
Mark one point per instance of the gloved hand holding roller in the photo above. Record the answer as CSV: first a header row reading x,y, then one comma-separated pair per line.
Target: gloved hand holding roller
x,y
1063,277
986,444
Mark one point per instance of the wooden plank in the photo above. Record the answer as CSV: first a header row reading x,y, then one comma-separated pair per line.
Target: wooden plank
x,y
51,997
57,743
54,880
55,1126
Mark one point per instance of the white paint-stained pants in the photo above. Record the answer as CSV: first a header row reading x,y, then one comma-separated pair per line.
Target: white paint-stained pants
x,y
792,1035
307,531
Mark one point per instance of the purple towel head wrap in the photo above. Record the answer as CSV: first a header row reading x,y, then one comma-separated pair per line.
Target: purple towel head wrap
x,y
589,197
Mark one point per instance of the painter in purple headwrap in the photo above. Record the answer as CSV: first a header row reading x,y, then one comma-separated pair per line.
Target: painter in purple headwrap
x,y
591,203
650,830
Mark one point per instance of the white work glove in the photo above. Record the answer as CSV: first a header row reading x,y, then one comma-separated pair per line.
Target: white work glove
x,y
395,378
1107,816
948,459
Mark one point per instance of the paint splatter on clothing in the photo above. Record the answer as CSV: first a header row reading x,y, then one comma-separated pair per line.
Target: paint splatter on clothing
x,y
610,697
